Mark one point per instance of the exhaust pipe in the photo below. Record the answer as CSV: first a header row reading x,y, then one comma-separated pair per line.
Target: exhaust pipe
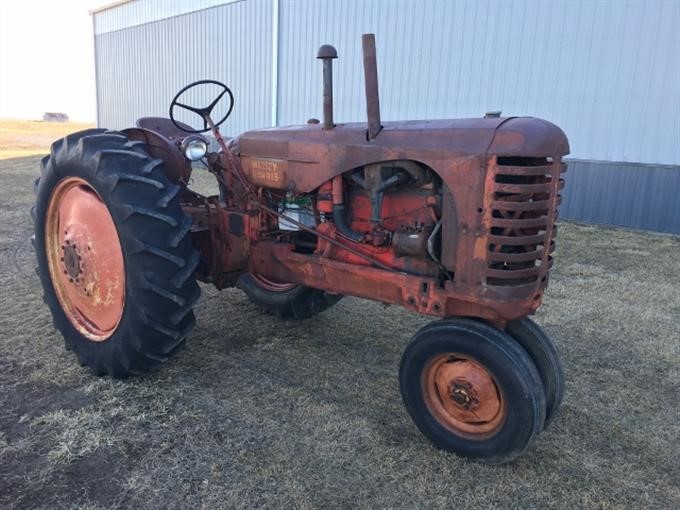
x,y
371,80
327,53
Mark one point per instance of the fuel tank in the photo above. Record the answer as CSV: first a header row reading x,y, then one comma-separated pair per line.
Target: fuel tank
x,y
301,158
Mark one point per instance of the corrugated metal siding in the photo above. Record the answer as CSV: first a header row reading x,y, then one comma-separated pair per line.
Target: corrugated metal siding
x,y
624,194
608,73
138,12
140,69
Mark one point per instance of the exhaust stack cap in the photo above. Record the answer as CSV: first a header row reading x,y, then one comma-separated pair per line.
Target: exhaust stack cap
x,y
326,54
327,51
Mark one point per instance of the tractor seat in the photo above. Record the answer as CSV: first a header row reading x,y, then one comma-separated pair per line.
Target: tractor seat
x,y
165,127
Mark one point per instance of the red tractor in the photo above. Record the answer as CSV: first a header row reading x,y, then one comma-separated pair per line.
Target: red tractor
x,y
449,218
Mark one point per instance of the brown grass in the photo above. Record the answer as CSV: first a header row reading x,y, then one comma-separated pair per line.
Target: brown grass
x,y
259,412
30,137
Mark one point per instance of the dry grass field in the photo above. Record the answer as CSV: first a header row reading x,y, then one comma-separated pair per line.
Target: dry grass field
x,y
29,137
260,412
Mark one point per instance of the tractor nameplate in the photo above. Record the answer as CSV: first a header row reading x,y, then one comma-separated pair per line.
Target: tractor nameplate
x,y
266,172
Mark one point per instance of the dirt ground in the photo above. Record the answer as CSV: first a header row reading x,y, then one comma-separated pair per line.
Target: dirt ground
x,y
260,412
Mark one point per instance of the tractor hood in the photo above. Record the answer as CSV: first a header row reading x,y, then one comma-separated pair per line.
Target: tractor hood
x,y
301,158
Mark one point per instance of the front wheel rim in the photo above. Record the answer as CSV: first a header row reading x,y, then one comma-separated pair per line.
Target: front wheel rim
x,y
85,259
463,396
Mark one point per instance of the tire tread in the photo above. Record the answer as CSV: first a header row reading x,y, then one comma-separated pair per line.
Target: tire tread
x,y
161,291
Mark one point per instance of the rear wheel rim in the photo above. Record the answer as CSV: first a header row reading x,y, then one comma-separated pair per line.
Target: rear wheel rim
x,y
463,396
85,259
271,285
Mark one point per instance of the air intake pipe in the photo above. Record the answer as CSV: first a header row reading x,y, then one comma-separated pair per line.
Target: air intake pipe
x,y
339,212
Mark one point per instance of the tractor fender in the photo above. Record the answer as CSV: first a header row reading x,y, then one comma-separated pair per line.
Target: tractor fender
x,y
177,167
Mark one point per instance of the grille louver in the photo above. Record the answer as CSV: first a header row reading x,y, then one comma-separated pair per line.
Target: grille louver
x,y
525,197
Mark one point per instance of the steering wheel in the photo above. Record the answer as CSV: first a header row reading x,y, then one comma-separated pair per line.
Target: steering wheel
x,y
204,113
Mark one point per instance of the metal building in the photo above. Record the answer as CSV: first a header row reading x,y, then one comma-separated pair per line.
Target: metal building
x,y
606,72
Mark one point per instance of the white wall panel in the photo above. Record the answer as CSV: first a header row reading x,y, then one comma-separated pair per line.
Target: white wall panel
x,y
139,69
128,14
608,73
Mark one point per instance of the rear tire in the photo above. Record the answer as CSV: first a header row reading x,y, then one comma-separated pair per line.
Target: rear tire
x,y
541,349
287,301
472,390
153,236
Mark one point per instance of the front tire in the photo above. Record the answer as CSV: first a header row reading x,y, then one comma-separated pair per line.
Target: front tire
x,y
542,351
114,253
472,390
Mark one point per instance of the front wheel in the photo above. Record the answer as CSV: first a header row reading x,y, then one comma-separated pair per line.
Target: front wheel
x,y
472,390
286,300
115,257
541,349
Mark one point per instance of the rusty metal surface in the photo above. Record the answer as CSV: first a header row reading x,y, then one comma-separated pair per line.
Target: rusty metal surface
x,y
522,200
421,294
85,259
315,155
177,167
501,262
459,151
451,226
166,127
497,233
463,395
266,172
371,85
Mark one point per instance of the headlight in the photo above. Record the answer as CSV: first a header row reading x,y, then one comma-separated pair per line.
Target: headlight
x,y
194,148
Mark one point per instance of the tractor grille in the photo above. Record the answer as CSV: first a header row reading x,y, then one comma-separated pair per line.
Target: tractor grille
x,y
524,200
